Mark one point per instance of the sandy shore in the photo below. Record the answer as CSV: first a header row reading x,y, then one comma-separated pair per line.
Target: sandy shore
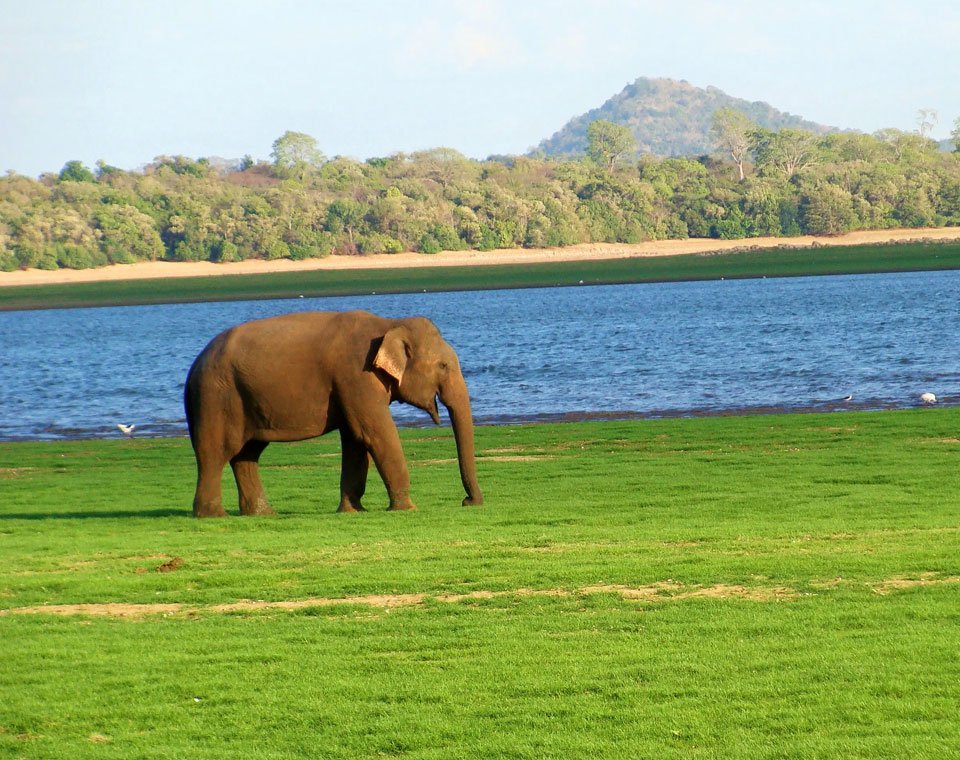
x,y
595,251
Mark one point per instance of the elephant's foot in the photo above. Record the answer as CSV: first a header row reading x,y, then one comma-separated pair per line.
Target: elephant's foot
x,y
208,509
472,501
259,507
350,505
401,506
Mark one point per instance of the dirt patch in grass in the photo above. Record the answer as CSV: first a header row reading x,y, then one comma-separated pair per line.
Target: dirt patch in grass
x,y
672,590
174,564
517,458
687,544
108,609
384,601
14,472
892,585
496,458
636,592
747,593
828,584
662,591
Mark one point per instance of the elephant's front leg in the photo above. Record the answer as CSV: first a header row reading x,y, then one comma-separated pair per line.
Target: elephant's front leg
x,y
383,442
355,463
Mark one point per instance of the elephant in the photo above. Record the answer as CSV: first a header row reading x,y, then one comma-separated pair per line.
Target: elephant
x,y
301,375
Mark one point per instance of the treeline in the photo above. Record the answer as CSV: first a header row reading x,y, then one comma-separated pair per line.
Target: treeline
x,y
302,205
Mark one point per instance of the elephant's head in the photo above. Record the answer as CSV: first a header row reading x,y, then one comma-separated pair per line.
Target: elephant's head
x,y
423,366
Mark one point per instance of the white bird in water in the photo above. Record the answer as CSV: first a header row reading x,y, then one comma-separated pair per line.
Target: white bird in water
x,y
928,398
127,430
847,398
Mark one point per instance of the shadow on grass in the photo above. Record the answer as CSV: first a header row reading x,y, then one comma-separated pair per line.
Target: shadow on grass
x,y
148,513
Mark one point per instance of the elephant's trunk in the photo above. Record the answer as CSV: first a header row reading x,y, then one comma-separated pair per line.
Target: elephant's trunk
x,y
455,397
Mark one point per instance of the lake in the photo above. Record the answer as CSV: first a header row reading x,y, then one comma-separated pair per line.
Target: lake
x,y
650,350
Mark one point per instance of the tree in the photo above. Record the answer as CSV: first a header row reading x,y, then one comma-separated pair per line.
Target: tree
x,y
181,165
842,147
826,210
294,153
105,170
762,201
788,150
607,142
731,131
927,119
75,171
127,234
955,135
345,215
907,147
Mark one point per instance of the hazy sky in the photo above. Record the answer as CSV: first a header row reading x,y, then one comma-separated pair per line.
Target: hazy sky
x,y
125,81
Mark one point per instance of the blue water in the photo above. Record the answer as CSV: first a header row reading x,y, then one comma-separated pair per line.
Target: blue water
x,y
628,350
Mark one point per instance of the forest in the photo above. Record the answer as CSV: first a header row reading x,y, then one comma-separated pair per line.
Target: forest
x,y
301,204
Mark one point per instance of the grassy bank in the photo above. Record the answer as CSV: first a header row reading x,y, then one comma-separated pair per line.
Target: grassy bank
x,y
751,587
765,263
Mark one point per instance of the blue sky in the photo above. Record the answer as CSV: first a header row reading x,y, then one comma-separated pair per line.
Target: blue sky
x,y
125,81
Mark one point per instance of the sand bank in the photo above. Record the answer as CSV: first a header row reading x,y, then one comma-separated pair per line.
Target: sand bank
x,y
149,270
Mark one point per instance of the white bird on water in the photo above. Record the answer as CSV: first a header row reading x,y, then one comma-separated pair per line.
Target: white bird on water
x,y
127,430
928,398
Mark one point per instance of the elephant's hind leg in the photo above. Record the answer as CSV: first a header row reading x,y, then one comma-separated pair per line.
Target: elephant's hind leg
x,y
207,499
355,463
246,471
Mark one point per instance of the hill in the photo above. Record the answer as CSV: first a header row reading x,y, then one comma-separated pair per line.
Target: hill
x,y
669,118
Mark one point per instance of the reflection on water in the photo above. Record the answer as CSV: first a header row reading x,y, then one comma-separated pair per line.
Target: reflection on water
x,y
646,350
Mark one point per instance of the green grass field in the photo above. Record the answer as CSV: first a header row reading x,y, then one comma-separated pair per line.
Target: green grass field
x,y
732,587
760,263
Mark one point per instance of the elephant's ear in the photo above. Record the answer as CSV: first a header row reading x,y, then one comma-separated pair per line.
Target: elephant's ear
x,y
393,354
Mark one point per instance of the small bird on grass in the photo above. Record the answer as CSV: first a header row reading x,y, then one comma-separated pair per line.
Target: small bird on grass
x,y
127,430
928,398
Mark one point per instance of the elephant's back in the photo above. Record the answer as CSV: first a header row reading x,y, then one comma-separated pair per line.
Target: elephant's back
x,y
295,344
307,330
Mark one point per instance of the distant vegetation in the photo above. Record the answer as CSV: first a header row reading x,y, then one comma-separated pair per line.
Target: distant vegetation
x,y
755,182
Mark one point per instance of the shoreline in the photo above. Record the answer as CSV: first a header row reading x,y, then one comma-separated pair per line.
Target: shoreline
x,y
152,270
147,431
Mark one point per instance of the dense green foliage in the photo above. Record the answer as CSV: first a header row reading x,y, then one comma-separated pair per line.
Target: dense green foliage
x,y
608,142
669,118
301,205
749,587
866,259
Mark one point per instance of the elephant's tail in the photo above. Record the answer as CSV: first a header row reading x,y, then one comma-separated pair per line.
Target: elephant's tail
x,y
189,404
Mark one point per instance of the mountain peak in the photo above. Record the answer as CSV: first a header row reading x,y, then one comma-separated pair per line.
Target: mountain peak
x,y
669,117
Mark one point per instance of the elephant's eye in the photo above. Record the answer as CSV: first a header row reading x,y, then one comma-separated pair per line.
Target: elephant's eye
x,y
443,365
